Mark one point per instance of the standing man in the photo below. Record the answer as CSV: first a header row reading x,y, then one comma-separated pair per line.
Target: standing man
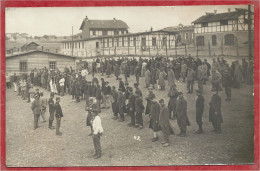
x,y
190,80
154,119
131,107
199,111
227,81
139,108
51,110
43,103
164,123
182,118
97,133
114,102
36,110
183,71
215,116
149,98
173,95
58,115
121,105
137,90
171,77
15,82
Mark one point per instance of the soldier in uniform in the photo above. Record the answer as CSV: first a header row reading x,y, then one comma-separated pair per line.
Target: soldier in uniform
x,y
36,110
121,85
173,95
51,110
131,107
139,108
43,102
215,115
121,105
154,119
149,98
190,80
164,123
137,89
227,81
58,115
199,111
182,118
114,102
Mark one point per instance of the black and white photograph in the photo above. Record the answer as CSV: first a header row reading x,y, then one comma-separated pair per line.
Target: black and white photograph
x,y
129,86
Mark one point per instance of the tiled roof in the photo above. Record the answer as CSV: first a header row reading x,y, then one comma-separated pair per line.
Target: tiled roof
x,y
104,24
177,29
211,17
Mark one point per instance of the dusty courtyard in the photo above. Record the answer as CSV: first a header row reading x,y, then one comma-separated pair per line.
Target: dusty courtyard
x,y
26,147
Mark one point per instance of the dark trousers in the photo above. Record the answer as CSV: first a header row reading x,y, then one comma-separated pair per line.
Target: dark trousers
x,y
182,125
36,118
190,85
228,92
122,116
58,120
51,119
132,114
166,134
199,120
139,119
97,145
216,122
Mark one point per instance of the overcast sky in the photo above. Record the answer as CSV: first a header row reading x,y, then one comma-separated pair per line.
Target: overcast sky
x,y
59,20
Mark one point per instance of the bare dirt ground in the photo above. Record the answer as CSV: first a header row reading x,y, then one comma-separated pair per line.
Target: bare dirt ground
x,y
26,147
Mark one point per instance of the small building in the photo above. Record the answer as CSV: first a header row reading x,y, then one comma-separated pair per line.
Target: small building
x,y
29,46
223,33
143,43
185,34
26,61
95,28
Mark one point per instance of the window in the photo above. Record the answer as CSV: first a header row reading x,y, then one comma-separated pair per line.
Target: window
x,y
204,24
229,39
143,42
115,32
200,40
214,40
104,32
75,44
224,22
186,36
82,45
94,33
117,41
107,42
97,44
112,42
134,41
123,42
52,65
164,41
154,41
23,66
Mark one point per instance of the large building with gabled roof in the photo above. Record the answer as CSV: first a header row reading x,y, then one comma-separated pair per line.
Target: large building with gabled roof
x,y
95,28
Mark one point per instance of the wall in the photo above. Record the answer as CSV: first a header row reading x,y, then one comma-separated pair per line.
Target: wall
x,y
37,60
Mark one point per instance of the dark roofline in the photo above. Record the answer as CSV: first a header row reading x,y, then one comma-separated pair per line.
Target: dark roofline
x,y
32,51
120,35
83,23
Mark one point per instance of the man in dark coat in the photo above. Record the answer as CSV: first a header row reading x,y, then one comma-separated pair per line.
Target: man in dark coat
x,y
58,115
227,81
199,111
137,73
182,118
154,119
107,92
121,105
121,85
139,108
114,102
137,90
190,80
36,110
215,115
131,106
149,98
51,110
173,94
164,123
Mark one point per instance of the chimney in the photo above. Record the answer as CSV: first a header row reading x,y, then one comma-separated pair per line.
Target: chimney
x,y
229,9
114,19
86,19
151,28
215,11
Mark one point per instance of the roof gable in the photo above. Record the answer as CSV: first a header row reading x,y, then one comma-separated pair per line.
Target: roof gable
x,y
211,17
104,24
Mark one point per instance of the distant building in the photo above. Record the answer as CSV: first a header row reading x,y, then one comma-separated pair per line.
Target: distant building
x,y
29,46
95,28
223,33
26,61
143,43
185,34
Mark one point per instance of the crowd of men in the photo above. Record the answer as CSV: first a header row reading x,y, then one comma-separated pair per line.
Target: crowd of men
x,y
128,100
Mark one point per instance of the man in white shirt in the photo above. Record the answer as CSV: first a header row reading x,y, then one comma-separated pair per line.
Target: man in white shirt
x,y
61,82
97,133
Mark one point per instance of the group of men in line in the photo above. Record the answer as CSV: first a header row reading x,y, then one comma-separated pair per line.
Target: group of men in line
x,y
129,101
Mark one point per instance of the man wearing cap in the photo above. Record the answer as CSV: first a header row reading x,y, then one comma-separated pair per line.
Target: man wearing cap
x,y
149,98
121,105
199,111
97,133
164,123
58,115
139,108
51,110
131,107
154,119
114,102
182,118
215,115
36,110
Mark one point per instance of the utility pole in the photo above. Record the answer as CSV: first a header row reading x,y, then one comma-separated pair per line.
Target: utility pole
x,y
249,33
72,43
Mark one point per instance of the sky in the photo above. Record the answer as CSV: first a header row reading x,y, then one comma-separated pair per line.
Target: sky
x,y
39,21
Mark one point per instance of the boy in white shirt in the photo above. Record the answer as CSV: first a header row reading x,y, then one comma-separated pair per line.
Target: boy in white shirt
x,y
97,133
